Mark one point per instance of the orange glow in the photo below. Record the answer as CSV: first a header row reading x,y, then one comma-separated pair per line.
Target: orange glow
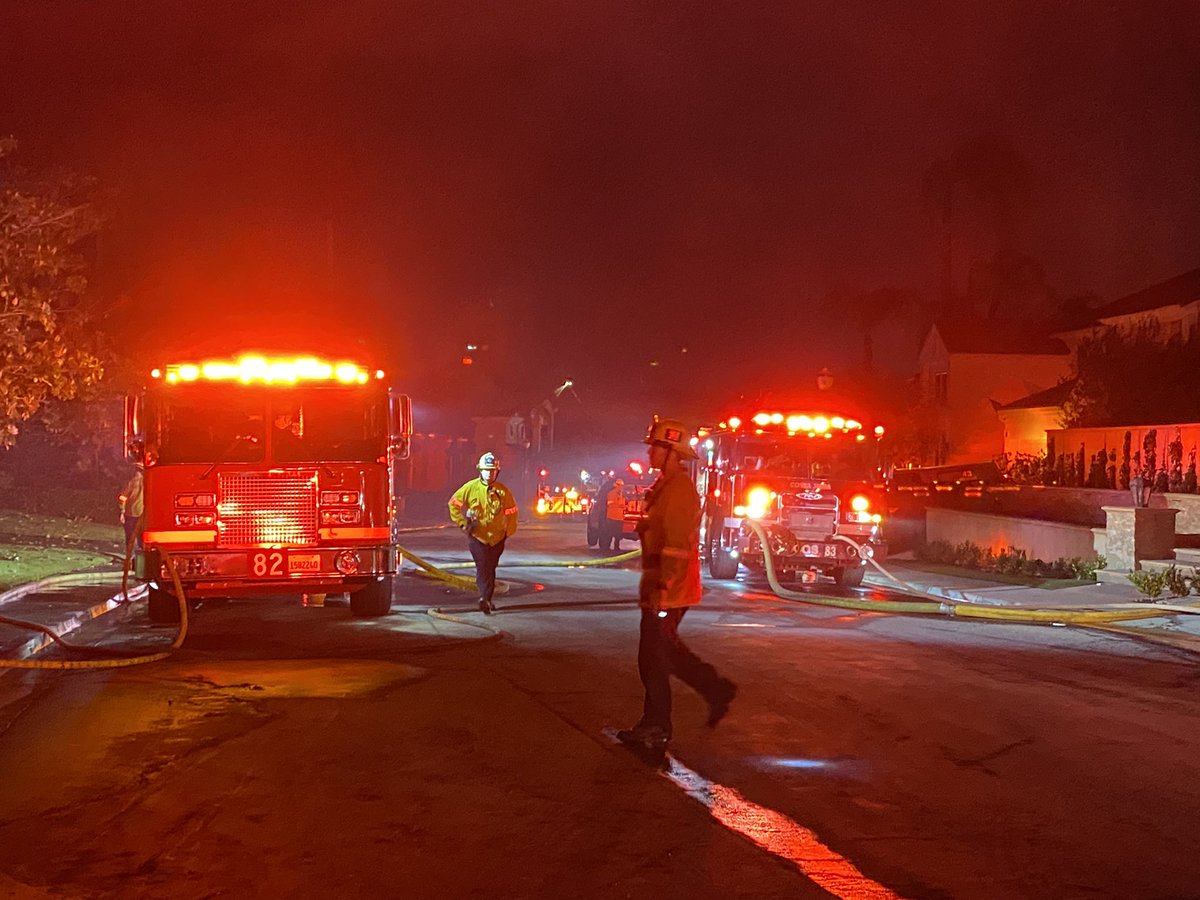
x,y
859,503
259,369
735,423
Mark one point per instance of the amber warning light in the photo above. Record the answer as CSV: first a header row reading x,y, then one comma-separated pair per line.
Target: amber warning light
x,y
259,369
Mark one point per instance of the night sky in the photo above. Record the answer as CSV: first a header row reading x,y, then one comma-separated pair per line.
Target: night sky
x,y
585,187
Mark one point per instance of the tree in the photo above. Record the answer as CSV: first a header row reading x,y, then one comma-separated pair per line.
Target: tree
x,y
984,174
1134,376
46,349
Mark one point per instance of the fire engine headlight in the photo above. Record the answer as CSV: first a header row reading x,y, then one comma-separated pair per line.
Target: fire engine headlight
x,y
859,503
759,502
346,562
202,501
339,498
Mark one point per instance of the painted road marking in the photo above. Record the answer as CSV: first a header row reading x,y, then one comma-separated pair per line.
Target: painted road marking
x,y
775,833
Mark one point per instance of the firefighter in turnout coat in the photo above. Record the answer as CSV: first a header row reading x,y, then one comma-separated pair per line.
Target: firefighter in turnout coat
x,y
670,584
486,511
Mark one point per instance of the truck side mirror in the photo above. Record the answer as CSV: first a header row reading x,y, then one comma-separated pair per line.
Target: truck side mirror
x,y
135,441
400,423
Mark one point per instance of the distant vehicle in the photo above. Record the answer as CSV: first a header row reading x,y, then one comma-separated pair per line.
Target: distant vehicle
x,y
561,501
268,477
808,477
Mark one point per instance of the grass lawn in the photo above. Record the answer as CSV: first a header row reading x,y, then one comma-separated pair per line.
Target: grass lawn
x,y
32,546
39,528
1049,584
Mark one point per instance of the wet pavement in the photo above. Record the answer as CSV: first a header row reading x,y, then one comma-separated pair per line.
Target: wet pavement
x,y
457,755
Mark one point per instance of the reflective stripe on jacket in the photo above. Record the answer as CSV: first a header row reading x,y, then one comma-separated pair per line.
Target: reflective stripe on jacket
x,y
670,543
493,507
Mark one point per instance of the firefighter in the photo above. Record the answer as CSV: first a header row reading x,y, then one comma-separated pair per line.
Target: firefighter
x,y
614,516
485,509
132,501
670,584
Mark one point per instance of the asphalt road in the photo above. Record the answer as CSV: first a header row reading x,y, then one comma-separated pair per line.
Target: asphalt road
x,y
289,751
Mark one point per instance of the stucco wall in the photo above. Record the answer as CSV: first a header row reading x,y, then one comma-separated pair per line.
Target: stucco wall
x,y
1039,539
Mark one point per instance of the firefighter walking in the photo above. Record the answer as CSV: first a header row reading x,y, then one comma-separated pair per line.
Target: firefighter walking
x,y
670,584
485,510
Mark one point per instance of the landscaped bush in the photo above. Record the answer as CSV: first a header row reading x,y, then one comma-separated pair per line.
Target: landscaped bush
x,y
1008,561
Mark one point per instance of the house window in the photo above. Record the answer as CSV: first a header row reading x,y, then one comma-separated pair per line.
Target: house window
x,y
940,385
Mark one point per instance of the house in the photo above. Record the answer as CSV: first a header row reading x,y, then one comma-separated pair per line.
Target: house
x,y
1027,419
1174,304
966,368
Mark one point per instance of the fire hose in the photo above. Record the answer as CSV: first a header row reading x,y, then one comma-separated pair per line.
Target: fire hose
x,y
1101,614
124,657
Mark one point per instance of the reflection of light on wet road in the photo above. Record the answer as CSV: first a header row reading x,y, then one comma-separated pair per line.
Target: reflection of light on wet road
x,y
778,834
792,762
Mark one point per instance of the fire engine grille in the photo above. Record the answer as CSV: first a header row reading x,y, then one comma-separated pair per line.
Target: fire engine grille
x,y
808,516
256,508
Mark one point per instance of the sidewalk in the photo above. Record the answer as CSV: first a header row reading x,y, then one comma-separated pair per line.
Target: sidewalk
x,y
1177,629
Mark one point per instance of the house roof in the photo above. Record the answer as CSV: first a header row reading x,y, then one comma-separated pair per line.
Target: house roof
x,y
1177,291
1054,396
987,336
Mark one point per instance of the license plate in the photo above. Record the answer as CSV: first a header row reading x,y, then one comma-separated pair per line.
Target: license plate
x,y
304,562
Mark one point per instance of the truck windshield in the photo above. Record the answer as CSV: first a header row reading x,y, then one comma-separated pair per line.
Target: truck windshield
x,y
806,457
222,423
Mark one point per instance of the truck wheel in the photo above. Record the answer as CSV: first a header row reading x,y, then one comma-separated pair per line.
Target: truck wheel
x,y
164,608
721,562
850,577
372,601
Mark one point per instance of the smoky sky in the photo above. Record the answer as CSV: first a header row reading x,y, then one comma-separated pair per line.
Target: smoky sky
x,y
589,187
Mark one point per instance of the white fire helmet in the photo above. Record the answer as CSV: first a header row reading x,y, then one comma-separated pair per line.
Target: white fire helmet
x,y
670,433
488,463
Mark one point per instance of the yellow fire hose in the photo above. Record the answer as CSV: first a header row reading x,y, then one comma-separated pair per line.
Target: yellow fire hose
x,y
463,583
1117,612
135,660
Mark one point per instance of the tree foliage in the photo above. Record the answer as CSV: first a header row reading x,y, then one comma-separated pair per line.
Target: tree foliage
x,y
47,350
1134,376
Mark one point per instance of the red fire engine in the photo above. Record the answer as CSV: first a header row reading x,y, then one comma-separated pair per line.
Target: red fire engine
x,y
807,477
268,476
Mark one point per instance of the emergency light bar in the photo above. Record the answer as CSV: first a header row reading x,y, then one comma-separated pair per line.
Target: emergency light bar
x,y
259,369
812,423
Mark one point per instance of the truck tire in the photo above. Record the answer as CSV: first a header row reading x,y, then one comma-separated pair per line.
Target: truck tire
x,y
850,577
163,607
372,601
721,562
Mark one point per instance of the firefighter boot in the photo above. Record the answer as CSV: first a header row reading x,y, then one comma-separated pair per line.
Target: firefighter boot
x,y
487,607
645,735
719,700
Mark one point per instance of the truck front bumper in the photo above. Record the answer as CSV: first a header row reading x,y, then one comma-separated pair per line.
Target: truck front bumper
x,y
264,570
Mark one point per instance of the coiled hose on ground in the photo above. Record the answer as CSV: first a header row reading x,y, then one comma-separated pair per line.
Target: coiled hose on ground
x,y
1102,614
123,657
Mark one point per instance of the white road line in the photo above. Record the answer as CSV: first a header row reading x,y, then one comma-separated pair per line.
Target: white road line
x,y
778,834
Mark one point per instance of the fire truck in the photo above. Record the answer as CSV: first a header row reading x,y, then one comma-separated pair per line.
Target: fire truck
x,y
808,477
268,477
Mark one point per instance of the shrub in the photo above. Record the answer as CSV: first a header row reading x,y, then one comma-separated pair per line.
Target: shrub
x,y
968,555
936,552
1151,584
1085,569
1177,583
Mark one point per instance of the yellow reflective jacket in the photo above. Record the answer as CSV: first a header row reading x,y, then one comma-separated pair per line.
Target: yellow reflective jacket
x,y
670,543
491,506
